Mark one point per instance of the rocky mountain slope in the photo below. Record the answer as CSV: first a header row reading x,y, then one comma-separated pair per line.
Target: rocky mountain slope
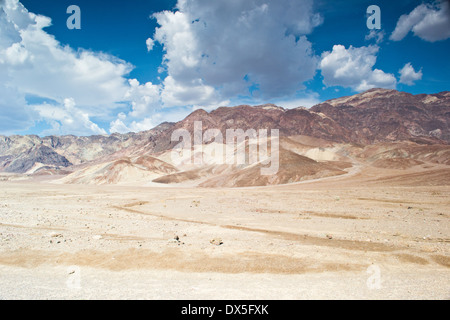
x,y
377,115
388,115
21,153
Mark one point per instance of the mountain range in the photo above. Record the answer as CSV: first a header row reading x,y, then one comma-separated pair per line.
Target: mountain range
x,y
379,127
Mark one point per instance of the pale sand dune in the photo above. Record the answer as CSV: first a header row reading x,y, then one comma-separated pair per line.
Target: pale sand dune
x,y
329,238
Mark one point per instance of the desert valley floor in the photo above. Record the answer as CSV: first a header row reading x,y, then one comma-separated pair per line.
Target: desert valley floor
x,y
370,234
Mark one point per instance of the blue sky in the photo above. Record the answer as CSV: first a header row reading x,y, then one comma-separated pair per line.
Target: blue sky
x,y
135,64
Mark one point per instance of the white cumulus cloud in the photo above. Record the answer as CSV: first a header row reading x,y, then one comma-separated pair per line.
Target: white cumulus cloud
x,y
430,22
150,43
218,50
33,63
353,68
125,123
144,97
408,75
145,102
376,35
67,119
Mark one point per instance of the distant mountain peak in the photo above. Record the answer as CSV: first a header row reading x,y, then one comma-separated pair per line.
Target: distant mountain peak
x,y
270,106
364,96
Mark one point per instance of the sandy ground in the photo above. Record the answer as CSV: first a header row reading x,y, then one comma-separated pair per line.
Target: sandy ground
x,y
350,237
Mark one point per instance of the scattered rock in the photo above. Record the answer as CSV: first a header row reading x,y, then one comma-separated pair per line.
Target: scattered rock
x,y
176,240
216,242
56,235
